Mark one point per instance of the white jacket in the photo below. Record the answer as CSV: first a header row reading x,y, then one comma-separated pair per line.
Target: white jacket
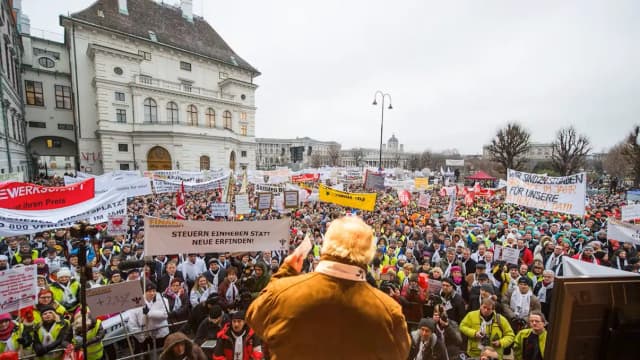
x,y
155,320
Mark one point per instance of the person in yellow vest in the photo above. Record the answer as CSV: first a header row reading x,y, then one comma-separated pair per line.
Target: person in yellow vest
x,y
45,299
66,290
95,334
13,338
51,336
530,342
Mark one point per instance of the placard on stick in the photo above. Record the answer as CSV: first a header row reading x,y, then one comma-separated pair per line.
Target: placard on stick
x,y
264,200
291,199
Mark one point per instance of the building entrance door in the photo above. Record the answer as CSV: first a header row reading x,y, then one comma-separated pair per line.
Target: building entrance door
x,y
158,158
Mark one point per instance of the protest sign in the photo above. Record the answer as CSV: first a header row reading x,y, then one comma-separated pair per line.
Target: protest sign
x,y
26,196
220,209
451,209
117,225
564,194
305,178
115,298
278,203
171,186
18,288
291,198
270,188
373,181
264,201
405,197
451,162
242,204
506,254
633,195
421,183
363,201
435,286
630,212
164,236
96,210
623,232
424,200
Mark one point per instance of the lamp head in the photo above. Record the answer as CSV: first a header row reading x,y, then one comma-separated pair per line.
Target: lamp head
x,y
375,102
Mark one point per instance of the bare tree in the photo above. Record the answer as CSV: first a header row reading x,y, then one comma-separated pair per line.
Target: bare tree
x,y
631,151
414,163
616,163
510,146
316,160
569,151
358,156
426,159
334,154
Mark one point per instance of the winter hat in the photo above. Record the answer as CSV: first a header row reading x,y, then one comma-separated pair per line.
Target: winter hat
x,y
488,288
39,261
150,286
238,315
213,299
481,265
47,309
45,292
524,280
5,316
4,257
215,312
428,323
456,268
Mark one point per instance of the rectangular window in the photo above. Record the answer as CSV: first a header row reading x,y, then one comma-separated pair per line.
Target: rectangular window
x,y
146,55
243,130
123,147
119,96
243,153
185,66
38,124
243,116
63,97
33,90
65,126
124,166
121,115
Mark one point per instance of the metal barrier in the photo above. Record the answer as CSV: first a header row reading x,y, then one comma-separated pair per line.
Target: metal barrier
x,y
127,336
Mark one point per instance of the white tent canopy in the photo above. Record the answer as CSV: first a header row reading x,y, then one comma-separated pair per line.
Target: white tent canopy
x,y
572,268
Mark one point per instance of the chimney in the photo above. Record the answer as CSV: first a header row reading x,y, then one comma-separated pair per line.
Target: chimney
x,y
187,9
122,7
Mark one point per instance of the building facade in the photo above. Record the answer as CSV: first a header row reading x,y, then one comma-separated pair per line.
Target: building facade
x,y
13,152
48,106
271,152
537,152
157,88
393,156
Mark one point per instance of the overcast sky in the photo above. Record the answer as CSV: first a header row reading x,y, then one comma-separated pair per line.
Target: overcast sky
x,y
456,70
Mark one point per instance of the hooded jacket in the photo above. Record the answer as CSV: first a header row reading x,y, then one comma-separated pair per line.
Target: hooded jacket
x,y
226,344
191,351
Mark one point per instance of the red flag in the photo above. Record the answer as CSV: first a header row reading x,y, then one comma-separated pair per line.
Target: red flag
x,y
180,203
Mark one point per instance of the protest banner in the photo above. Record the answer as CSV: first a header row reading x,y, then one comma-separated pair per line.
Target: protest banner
x,y
424,200
291,198
96,210
129,183
373,180
452,162
630,212
565,194
451,209
25,196
220,209
14,176
117,225
115,298
506,254
623,232
164,236
633,195
242,204
18,288
162,186
270,188
421,183
264,200
363,201
305,178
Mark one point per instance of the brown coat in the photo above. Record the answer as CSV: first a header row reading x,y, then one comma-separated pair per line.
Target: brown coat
x,y
315,316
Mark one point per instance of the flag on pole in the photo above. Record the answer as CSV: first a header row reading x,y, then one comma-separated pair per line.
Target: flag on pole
x,y
180,215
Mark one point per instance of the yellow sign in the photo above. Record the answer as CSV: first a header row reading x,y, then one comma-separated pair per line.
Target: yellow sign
x,y
363,201
421,183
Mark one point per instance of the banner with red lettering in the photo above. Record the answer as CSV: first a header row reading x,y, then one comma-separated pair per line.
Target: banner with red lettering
x,y
305,178
26,196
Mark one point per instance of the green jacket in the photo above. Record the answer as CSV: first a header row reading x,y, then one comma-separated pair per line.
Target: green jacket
x,y
521,338
500,330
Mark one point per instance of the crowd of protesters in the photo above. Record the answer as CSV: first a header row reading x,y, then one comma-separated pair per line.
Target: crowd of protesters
x,y
457,299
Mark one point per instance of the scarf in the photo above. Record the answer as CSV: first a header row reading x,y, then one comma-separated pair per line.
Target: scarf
x,y
341,271
485,327
553,261
520,303
424,346
47,338
513,283
177,302
68,296
624,264
542,293
6,334
238,347
214,279
232,293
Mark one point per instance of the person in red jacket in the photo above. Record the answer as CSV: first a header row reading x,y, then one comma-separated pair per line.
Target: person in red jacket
x,y
237,341
587,255
525,253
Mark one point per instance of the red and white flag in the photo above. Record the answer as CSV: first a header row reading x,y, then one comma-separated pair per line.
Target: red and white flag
x,y
180,203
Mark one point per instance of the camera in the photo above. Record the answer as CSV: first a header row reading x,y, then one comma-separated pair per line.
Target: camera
x,y
485,341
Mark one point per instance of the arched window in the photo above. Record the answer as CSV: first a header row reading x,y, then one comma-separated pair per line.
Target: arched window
x,y
172,112
192,115
226,116
150,110
205,163
211,118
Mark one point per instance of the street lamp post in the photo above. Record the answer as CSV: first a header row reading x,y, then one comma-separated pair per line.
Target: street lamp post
x,y
383,96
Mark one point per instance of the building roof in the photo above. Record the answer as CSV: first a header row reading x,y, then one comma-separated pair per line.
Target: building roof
x,y
169,26
480,175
